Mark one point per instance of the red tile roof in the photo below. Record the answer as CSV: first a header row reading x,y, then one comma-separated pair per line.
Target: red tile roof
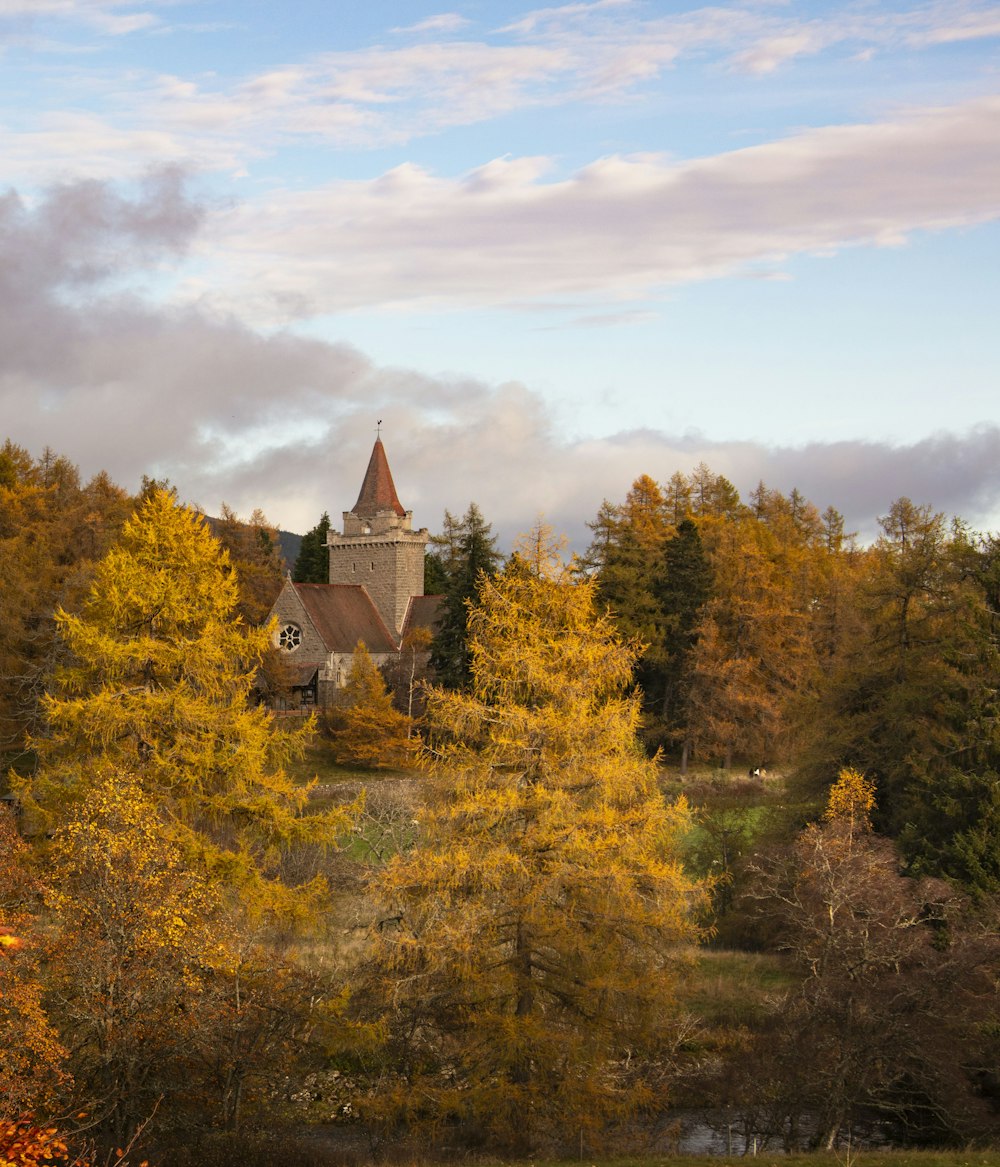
x,y
343,614
378,492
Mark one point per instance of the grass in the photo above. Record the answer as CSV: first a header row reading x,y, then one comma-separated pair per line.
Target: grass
x,y
733,988
317,763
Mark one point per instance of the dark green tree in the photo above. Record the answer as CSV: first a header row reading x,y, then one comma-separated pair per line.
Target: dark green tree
x,y
681,590
313,562
913,702
626,552
468,553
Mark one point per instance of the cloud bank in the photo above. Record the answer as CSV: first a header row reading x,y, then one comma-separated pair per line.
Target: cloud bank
x,y
286,423
621,227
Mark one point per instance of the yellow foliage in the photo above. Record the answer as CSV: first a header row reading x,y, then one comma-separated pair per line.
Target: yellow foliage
x,y
364,727
851,800
540,922
159,687
32,1062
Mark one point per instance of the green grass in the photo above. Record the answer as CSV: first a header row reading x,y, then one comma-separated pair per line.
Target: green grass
x,y
728,988
317,763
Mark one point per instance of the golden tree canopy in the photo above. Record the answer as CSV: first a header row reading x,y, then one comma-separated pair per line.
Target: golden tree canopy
x,y
159,688
541,918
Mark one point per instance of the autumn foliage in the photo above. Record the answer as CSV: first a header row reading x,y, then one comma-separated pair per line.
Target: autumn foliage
x,y
530,942
510,962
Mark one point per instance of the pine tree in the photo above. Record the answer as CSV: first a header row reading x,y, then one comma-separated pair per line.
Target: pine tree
x,y
526,963
912,698
312,565
682,589
627,550
468,555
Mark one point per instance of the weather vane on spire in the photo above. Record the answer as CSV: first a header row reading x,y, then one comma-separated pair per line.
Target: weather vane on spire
x,y
378,428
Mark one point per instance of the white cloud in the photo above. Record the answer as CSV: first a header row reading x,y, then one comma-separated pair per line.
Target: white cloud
x,y
113,17
381,96
442,22
621,227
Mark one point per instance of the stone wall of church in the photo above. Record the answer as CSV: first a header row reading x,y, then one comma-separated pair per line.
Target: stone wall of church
x,y
289,610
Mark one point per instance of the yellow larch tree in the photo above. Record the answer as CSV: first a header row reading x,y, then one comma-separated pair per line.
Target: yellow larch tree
x,y
158,686
529,945
364,728
33,1074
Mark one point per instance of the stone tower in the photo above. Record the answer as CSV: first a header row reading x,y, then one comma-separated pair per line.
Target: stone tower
x,y
378,548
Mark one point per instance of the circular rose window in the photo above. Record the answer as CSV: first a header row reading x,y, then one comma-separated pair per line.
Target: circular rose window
x,y
290,637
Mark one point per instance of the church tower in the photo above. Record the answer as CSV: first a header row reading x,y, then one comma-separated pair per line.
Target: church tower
x,y
379,548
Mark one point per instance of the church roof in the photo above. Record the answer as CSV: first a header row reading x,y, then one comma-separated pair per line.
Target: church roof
x,y
378,493
423,612
343,614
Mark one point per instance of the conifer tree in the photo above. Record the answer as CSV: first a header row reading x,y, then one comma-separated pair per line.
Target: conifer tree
x,y
753,654
158,687
913,700
682,588
52,531
255,556
468,555
364,727
527,959
627,551
312,564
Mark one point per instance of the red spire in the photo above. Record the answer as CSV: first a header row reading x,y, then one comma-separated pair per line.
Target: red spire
x,y
378,493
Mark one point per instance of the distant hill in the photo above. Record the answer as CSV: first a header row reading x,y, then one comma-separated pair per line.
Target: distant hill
x,y
290,544
288,541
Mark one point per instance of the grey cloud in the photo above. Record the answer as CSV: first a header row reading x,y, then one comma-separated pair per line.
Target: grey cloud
x,y
84,232
286,422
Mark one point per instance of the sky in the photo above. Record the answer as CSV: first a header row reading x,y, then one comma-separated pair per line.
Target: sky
x,y
549,249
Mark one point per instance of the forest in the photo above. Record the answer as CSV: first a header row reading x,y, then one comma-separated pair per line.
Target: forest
x,y
701,827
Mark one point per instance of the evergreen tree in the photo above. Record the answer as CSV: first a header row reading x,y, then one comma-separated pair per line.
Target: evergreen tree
x,y
627,549
682,588
525,969
312,565
468,554
913,700
713,494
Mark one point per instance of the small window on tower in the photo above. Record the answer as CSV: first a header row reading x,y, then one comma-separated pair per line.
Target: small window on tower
x,y
373,565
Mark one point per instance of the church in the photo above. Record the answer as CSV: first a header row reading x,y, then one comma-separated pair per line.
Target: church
x,y
375,594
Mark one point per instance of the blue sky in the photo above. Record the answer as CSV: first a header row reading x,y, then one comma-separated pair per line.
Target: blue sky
x,y
552,248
